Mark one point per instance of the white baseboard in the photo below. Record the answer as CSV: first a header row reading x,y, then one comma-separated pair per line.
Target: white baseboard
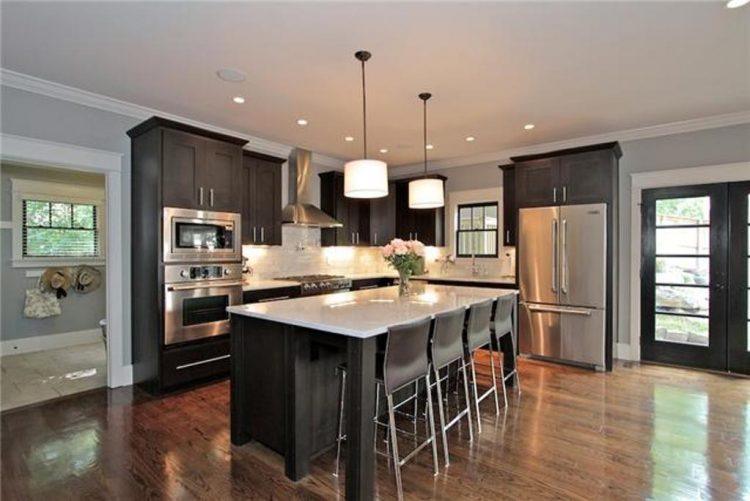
x,y
49,342
623,351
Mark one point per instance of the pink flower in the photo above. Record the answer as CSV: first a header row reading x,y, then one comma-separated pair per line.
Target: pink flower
x,y
387,250
400,248
417,248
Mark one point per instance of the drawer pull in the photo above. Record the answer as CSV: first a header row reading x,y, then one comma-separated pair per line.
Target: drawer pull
x,y
272,299
201,362
368,287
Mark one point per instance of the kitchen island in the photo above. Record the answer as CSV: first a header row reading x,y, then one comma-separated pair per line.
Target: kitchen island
x,y
284,389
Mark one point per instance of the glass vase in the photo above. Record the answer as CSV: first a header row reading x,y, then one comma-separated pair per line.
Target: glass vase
x,y
403,282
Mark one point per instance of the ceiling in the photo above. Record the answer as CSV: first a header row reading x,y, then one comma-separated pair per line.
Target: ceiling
x,y
573,69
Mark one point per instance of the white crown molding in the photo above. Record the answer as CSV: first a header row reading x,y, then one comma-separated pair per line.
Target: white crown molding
x,y
503,156
63,92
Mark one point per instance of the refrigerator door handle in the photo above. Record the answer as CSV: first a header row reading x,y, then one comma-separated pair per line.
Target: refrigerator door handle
x,y
554,255
557,309
564,271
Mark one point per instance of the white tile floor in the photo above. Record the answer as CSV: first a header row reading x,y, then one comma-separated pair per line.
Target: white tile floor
x,y
34,377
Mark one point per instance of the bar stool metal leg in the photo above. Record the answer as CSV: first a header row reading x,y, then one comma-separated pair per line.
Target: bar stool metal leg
x,y
431,417
476,394
441,413
468,398
340,424
494,380
394,445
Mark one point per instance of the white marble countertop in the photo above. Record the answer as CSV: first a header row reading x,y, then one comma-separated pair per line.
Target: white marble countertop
x,y
368,312
489,279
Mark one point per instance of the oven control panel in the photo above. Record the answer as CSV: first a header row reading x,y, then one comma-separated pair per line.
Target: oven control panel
x,y
175,273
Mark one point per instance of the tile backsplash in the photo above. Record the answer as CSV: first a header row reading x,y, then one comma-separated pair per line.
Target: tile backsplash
x,y
301,254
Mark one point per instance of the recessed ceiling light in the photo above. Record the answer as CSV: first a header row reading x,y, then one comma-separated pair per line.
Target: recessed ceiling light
x,y
301,122
348,139
529,126
238,99
231,75
470,139
383,150
733,4
429,147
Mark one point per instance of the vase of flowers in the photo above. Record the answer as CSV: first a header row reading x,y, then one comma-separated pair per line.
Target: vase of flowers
x,y
405,256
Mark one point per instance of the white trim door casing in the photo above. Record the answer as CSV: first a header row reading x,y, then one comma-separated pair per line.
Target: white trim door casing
x,y
725,173
36,152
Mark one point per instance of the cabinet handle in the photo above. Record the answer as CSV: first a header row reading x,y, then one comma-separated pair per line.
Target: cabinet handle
x,y
262,234
565,193
201,362
507,236
357,238
351,239
200,195
211,197
254,235
554,194
410,235
268,299
416,236
375,238
365,287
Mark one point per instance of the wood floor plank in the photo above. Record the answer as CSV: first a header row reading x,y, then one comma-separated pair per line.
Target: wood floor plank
x,y
642,431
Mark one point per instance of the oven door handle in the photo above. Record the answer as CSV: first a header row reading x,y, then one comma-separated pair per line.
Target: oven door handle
x,y
202,286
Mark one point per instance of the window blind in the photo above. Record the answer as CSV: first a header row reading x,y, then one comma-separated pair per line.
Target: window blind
x,y
59,229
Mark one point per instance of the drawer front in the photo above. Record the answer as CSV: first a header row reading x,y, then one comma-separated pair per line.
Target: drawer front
x,y
270,294
185,364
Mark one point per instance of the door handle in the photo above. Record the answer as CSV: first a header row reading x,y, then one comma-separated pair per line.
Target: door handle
x,y
553,309
554,255
209,285
211,197
201,362
262,234
564,271
200,195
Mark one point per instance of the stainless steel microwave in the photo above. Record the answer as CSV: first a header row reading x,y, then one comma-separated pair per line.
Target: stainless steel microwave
x,y
201,236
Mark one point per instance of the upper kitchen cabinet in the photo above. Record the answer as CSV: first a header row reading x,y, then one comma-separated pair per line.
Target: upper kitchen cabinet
x,y
199,169
425,225
509,204
352,213
574,176
383,217
261,199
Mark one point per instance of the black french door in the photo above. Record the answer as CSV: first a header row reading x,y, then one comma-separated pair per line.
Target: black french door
x,y
694,276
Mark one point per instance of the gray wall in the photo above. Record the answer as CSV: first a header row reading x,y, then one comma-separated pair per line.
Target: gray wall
x,y
79,311
33,115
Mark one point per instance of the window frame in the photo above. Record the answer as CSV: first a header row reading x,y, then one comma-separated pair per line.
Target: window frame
x,y
44,191
458,229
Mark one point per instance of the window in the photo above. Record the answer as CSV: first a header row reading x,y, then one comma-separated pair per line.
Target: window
x,y
57,223
59,229
477,230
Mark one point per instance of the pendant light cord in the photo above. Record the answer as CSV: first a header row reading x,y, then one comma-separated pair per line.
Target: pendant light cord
x,y
425,136
364,111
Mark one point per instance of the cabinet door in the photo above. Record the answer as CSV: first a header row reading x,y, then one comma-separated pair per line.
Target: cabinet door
x,y
247,196
183,154
359,220
586,177
334,203
267,201
404,216
383,217
428,227
220,176
509,206
537,183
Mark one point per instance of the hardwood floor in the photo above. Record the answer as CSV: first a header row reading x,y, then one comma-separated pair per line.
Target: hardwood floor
x,y
642,431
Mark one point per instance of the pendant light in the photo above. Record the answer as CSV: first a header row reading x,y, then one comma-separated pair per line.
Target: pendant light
x,y
367,177
426,193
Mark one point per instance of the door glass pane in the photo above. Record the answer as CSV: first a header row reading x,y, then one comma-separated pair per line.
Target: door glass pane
x,y
689,300
677,329
682,241
682,270
683,211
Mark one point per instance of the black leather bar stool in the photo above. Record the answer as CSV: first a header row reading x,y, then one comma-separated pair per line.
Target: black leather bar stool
x,y
478,335
405,362
446,347
503,326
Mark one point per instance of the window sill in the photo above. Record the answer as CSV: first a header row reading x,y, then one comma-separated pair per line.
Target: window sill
x,y
46,263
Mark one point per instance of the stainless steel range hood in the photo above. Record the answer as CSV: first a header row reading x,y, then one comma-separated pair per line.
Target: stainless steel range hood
x,y
296,212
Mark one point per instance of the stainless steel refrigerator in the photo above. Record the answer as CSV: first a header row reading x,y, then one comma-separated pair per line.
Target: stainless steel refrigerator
x,y
562,276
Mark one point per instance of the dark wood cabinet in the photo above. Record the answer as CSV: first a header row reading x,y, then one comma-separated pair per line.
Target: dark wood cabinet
x,y
174,165
383,217
352,213
261,199
200,172
537,182
371,283
509,205
275,294
425,225
575,176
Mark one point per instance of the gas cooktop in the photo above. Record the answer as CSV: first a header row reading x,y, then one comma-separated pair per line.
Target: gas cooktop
x,y
320,283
